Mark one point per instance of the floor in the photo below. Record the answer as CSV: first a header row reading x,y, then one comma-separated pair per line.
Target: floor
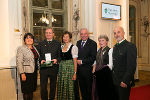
x,y
7,85
144,78
8,90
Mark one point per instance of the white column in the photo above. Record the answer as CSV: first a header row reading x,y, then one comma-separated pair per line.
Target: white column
x,y
125,17
4,33
90,14
69,15
94,17
82,14
86,14
9,20
14,23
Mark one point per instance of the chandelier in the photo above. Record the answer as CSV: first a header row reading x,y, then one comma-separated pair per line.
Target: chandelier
x,y
44,19
53,19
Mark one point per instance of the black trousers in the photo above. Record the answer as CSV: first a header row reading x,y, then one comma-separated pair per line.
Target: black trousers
x,y
35,80
76,90
122,93
46,73
85,82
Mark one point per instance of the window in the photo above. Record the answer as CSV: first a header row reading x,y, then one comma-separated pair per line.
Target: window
x,y
48,13
132,24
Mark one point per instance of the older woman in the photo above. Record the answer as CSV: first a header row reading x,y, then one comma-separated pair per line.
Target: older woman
x,y
101,70
67,69
26,60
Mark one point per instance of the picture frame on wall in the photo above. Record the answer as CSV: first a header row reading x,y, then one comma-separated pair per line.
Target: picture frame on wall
x,y
110,11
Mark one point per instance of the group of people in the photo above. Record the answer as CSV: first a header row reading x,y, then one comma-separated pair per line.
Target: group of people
x,y
102,74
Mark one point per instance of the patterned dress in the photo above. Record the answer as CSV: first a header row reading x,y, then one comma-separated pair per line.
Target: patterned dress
x,y
65,83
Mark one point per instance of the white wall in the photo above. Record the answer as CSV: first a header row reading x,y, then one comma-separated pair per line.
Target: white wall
x,y
14,23
10,19
90,18
9,39
4,30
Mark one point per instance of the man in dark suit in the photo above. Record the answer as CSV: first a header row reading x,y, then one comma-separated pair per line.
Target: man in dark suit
x,y
124,65
86,57
49,45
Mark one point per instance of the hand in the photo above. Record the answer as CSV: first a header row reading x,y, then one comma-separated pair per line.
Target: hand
x,y
93,71
55,61
79,62
123,85
74,77
23,77
43,61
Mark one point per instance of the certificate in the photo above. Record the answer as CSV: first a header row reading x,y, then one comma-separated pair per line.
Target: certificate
x,y
48,57
48,62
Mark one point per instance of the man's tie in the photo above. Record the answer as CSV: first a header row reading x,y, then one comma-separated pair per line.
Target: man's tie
x,y
82,44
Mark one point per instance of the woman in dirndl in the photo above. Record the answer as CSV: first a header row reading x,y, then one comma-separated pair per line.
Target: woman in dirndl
x,y
101,69
67,69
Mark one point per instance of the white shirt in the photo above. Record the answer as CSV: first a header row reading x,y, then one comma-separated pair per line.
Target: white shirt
x,y
110,65
74,50
84,42
121,41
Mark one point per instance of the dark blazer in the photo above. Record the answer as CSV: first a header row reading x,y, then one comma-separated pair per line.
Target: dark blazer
x,y
54,48
124,63
88,53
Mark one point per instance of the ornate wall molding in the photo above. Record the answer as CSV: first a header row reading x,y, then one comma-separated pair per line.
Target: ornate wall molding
x,y
75,20
25,16
137,5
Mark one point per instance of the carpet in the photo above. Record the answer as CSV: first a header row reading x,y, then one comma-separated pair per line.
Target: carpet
x,y
140,93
